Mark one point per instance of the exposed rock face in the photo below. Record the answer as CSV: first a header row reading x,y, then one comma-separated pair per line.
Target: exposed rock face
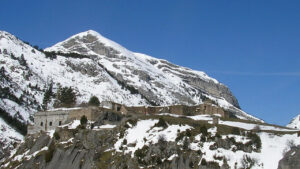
x,y
291,159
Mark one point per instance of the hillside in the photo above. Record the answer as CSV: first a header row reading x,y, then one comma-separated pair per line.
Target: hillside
x,y
94,65
156,141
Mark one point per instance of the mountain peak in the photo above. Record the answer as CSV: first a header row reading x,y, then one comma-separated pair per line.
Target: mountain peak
x,y
89,33
89,42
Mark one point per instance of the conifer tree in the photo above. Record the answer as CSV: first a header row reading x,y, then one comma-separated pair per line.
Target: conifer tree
x,y
94,101
66,97
47,96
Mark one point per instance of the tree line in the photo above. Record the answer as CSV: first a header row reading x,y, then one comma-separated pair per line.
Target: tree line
x,y
64,97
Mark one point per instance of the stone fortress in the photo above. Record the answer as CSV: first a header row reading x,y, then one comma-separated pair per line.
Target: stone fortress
x,y
49,120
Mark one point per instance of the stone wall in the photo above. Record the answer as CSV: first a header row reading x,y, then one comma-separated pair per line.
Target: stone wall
x,y
106,104
206,108
48,120
90,112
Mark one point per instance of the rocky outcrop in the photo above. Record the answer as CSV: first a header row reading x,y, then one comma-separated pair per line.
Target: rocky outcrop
x,y
134,141
291,159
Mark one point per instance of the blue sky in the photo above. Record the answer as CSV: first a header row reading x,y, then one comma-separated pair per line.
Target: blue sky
x,y
251,46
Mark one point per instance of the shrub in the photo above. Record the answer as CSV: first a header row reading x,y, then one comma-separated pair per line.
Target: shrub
x,y
162,142
179,136
5,51
203,130
213,164
56,136
22,61
94,101
248,162
235,131
51,55
255,139
291,144
141,153
81,127
256,128
83,120
203,161
158,161
186,143
203,138
36,47
122,133
161,123
124,141
218,135
188,133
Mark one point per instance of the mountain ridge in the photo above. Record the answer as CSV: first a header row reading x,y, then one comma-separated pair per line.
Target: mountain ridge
x,y
92,43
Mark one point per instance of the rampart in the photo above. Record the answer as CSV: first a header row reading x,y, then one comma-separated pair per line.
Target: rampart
x,y
49,120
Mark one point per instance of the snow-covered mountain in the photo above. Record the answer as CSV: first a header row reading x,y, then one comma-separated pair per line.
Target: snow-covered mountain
x,y
156,80
94,65
295,123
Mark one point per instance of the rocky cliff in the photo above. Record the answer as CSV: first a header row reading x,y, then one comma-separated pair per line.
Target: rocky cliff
x,y
291,159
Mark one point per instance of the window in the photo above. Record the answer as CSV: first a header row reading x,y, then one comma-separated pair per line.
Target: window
x,y
50,123
118,108
59,123
42,124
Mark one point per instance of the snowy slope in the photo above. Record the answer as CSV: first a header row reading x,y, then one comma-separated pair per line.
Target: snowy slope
x,y
9,138
158,80
107,70
28,73
295,123
272,148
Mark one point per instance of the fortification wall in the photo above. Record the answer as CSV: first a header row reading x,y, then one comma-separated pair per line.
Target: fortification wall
x,y
205,108
47,120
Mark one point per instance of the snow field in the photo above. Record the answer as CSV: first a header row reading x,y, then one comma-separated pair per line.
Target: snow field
x,y
273,146
145,129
